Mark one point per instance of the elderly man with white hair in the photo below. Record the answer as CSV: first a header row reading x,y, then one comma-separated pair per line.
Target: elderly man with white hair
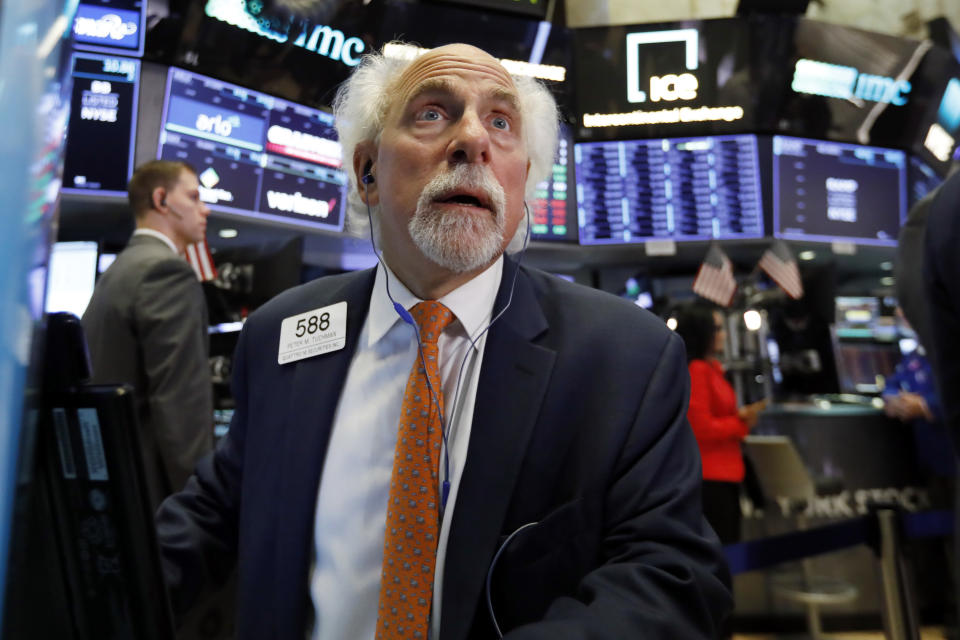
x,y
451,445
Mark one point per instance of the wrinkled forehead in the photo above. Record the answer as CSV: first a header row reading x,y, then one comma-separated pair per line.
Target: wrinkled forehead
x,y
460,61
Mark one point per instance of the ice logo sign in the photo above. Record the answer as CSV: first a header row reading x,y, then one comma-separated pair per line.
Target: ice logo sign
x,y
217,124
107,27
670,86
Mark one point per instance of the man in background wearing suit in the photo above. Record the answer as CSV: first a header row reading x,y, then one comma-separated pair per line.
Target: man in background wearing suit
x,y
941,280
146,325
480,448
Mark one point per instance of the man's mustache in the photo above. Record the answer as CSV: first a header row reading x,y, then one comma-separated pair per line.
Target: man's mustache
x,y
475,180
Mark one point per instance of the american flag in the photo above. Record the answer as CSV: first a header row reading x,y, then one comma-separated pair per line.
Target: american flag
x,y
198,255
715,279
779,263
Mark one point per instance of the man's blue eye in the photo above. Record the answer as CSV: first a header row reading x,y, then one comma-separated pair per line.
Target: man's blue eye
x,y
501,123
430,114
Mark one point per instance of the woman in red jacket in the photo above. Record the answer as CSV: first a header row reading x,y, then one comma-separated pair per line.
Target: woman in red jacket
x,y
718,424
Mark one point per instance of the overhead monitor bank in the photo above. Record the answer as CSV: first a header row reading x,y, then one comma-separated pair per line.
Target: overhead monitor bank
x,y
257,155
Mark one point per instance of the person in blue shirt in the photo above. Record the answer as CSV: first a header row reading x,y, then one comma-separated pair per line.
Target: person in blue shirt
x,y
910,395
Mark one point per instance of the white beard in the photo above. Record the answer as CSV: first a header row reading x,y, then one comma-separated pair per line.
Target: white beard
x,y
460,243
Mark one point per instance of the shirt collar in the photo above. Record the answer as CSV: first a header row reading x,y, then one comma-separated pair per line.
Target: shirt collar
x,y
471,302
153,233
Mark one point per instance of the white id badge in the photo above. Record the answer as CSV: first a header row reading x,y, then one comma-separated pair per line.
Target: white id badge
x,y
313,333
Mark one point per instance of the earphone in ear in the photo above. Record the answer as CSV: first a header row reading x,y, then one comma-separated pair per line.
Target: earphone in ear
x,y
367,176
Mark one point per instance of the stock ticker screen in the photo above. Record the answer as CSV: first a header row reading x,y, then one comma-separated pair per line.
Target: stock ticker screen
x,y
102,117
668,189
827,191
550,213
257,155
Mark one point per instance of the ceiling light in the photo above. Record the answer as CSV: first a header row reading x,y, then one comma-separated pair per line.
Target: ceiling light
x,y
807,255
227,233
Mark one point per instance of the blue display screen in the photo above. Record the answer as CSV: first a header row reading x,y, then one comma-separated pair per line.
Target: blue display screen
x,y
831,191
110,26
668,188
102,116
256,155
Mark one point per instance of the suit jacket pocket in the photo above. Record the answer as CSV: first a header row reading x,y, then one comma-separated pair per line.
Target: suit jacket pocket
x,y
542,563
535,542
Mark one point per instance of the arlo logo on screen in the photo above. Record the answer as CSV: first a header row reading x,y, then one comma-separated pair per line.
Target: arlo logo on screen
x,y
670,86
847,83
106,27
842,199
297,203
217,124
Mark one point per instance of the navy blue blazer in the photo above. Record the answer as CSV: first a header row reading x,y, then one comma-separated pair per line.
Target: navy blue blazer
x,y
580,425
941,271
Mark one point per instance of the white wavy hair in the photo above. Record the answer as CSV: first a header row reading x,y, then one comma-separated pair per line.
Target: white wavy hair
x,y
362,102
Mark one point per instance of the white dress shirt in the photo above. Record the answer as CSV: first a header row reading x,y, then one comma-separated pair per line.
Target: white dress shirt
x,y
143,231
350,517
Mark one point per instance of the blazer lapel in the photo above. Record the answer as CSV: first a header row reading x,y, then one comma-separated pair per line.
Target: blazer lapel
x,y
315,393
513,380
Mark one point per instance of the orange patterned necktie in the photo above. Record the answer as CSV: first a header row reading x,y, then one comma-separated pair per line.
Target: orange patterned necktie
x,y
413,507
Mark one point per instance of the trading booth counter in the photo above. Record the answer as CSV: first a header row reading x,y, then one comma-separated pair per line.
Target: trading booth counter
x,y
855,444
865,458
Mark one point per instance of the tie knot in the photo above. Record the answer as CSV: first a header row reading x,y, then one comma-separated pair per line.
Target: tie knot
x,y
432,317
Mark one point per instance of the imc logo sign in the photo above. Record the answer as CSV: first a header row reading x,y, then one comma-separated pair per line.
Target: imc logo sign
x,y
847,83
667,87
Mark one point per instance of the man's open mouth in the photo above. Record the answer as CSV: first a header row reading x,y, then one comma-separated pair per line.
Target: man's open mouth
x,y
464,199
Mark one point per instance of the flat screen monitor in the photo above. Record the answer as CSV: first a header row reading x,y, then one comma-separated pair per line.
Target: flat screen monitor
x,y
856,316
831,191
921,180
700,188
551,211
257,156
71,276
102,117
863,365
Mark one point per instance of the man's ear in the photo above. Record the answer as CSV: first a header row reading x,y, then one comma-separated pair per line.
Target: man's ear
x,y
363,165
158,198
